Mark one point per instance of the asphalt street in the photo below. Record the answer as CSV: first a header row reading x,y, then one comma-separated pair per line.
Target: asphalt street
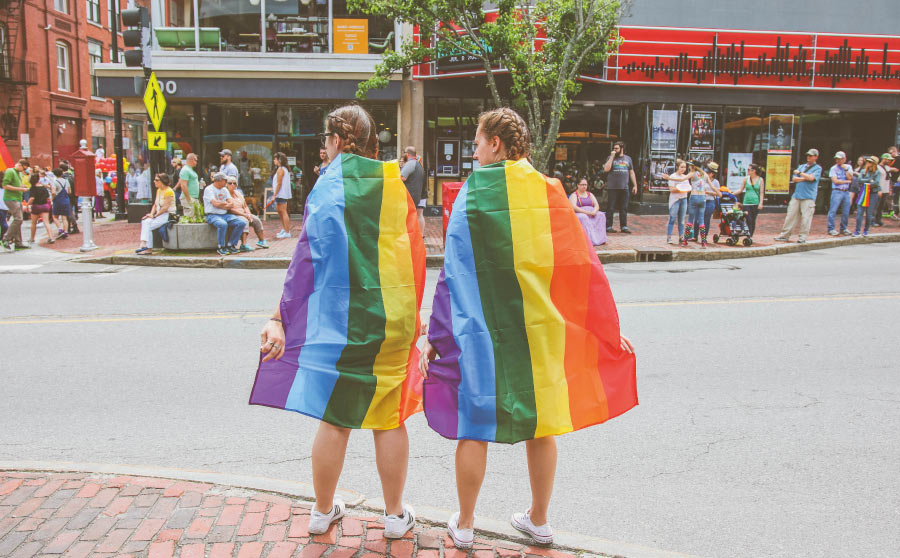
x,y
769,389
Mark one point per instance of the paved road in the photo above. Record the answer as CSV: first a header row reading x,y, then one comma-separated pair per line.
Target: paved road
x,y
770,398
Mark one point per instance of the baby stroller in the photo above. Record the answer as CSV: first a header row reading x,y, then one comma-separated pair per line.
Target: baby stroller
x,y
733,225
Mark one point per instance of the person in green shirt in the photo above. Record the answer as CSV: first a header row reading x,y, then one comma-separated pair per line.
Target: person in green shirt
x,y
12,197
189,184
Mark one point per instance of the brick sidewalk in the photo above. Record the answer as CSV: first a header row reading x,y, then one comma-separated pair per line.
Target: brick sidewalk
x,y
649,232
76,515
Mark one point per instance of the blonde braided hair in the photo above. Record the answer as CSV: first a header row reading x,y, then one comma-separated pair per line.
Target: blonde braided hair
x,y
507,125
356,127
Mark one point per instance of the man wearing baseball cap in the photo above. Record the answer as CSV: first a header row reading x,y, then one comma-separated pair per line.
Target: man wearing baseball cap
x,y
884,205
217,202
227,166
803,202
841,175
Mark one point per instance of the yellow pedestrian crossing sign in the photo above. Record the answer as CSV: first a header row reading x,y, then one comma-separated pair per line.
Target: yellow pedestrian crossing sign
x,y
154,101
156,141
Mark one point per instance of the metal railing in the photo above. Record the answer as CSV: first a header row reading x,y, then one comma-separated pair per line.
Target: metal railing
x,y
19,71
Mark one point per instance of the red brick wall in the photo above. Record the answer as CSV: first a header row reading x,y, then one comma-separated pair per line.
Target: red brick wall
x,y
54,119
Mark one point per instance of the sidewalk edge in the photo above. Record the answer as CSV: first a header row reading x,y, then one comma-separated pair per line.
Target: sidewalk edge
x,y
296,489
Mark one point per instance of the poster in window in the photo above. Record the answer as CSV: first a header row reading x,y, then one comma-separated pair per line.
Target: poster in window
x,y
702,157
351,36
664,130
738,163
448,158
285,120
703,130
781,133
661,163
778,174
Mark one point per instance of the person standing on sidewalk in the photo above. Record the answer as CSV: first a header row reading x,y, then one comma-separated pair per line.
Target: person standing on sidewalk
x,y
841,176
869,194
884,202
226,166
349,338
679,186
803,202
61,207
697,205
281,191
620,171
188,185
754,190
12,197
413,175
713,192
495,373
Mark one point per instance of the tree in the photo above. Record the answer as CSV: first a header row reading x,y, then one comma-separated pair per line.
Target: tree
x,y
542,45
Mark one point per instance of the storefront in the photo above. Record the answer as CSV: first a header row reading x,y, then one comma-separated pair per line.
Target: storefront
x,y
734,97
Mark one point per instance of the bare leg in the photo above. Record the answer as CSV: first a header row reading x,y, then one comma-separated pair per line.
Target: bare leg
x,y
328,451
421,212
541,471
282,209
471,460
34,220
46,218
392,458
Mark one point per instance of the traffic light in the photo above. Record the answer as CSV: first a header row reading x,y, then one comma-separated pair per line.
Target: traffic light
x,y
139,36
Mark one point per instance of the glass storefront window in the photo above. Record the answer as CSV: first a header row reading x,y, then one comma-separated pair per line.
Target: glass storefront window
x,y
314,26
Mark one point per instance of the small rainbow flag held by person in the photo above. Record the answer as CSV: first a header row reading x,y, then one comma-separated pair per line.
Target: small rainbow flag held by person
x,y
865,194
523,318
351,301
6,160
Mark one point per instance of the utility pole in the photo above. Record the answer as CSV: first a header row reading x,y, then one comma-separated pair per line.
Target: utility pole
x,y
121,214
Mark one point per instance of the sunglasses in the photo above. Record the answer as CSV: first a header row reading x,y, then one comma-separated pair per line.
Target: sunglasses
x,y
325,135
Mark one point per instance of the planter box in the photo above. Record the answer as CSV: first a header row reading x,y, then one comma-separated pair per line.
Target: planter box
x,y
191,236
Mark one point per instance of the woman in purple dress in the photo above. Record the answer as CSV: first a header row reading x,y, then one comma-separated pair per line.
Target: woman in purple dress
x,y
588,210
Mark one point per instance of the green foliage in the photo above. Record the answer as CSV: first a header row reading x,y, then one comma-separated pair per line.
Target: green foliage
x,y
544,80
199,214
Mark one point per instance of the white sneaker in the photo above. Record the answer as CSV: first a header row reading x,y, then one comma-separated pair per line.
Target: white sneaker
x,y
462,538
319,522
283,234
540,535
397,526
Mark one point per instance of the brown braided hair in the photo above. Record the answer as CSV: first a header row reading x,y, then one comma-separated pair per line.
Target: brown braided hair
x,y
356,127
506,124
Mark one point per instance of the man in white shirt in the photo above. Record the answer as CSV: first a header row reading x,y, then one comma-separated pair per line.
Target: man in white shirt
x,y
217,202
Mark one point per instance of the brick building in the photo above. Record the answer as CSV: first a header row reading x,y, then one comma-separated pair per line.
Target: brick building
x,y
48,50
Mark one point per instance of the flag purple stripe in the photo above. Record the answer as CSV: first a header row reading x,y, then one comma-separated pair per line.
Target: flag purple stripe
x,y
441,390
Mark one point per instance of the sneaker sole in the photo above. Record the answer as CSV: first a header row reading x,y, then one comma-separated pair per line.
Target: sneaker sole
x,y
534,536
457,543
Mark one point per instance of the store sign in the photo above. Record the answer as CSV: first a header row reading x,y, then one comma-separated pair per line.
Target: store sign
x,y
351,36
25,145
657,55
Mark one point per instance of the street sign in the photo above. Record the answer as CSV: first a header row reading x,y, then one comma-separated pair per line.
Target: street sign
x,y
154,101
156,141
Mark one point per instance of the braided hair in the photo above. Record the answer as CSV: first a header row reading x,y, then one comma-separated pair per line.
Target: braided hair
x,y
356,127
507,125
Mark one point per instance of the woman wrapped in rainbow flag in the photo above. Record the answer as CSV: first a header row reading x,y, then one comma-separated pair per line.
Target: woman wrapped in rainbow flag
x,y
524,340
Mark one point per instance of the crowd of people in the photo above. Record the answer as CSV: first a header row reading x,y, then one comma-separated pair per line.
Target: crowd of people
x,y
46,195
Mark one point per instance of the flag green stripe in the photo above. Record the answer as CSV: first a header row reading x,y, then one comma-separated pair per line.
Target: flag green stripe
x,y
487,207
355,386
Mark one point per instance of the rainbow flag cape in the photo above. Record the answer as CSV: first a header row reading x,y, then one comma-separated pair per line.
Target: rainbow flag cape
x,y
351,300
865,194
6,160
523,317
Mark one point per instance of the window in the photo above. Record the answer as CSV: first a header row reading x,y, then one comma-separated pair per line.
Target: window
x,y
4,52
95,55
61,6
93,11
63,83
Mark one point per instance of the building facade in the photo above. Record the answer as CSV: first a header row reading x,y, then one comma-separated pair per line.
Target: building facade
x,y
49,92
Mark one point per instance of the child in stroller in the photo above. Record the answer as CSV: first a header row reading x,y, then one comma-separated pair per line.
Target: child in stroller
x,y
733,224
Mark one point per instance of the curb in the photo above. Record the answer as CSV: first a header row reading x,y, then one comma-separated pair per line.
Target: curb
x,y
437,260
436,517
296,489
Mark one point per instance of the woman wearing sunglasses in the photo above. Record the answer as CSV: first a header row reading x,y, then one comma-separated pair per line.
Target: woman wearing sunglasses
x,y
159,215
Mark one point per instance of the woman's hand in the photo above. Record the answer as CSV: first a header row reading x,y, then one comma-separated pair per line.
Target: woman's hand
x,y
760,206
626,345
271,340
428,354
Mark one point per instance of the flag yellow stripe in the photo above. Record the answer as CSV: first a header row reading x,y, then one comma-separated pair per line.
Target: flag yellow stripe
x,y
533,255
398,291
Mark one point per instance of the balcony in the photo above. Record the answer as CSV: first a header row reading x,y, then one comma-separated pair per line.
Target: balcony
x,y
18,71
